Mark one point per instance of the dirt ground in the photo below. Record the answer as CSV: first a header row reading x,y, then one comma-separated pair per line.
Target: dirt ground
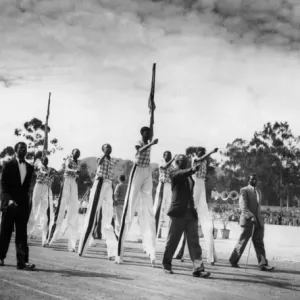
x,y
64,275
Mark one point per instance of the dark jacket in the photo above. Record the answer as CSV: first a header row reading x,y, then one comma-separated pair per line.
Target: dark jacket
x,y
182,193
250,206
11,187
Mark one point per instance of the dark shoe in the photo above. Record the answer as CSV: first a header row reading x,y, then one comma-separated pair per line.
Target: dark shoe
x,y
212,263
235,266
202,274
26,267
168,271
178,256
266,268
1,262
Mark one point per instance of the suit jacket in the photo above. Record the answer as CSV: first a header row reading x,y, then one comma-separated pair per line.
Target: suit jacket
x,y
182,193
11,187
250,206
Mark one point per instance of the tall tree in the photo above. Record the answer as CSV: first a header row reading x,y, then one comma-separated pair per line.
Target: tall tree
x,y
33,132
273,154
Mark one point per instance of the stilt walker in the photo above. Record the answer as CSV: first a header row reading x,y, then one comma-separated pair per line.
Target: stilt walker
x,y
42,200
139,191
68,200
101,196
163,193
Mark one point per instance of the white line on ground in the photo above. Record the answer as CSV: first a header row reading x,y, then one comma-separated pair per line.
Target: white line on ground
x,y
32,289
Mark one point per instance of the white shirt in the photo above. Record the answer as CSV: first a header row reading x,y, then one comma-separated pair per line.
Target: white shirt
x,y
23,170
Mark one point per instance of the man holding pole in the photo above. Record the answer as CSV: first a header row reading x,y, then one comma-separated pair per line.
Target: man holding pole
x,y
252,225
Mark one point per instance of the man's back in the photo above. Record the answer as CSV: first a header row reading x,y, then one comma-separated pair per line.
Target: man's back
x,y
182,186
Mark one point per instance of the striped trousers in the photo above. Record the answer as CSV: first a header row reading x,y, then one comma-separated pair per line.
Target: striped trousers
x,y
139,196
101,196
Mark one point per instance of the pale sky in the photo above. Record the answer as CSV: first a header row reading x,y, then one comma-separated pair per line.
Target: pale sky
x,y
220,74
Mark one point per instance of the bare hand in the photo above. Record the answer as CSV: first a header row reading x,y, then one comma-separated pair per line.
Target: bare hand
x,y
253,219
155,141
12,203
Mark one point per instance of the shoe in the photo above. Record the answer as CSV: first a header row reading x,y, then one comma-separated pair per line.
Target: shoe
x,y
202,274
26,267
182,259
266,268
178,257
118,260
235,266
212,263
1,262
168,271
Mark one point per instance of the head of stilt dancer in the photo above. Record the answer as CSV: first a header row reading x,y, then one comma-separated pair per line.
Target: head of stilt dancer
x,y
107,149
9,151
167,156
76,153
21,150
146,133
252,179
200,151
122,178
181,161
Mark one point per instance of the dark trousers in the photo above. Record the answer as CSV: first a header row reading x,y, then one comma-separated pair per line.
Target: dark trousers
x,y
182,246
188,225
258,243
14,216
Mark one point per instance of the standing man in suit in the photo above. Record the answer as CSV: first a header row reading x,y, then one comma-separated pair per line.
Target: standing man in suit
x,y
15,205
184,218
251,222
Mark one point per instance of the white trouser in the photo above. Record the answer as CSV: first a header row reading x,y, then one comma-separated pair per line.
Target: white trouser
x,y
104,201
42,200
205,218
69,201
118,219
139,195
163,207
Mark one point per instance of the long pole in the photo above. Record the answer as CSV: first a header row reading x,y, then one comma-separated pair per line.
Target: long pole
x,y
45,150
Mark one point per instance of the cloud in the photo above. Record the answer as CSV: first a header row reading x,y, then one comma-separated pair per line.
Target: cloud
x,y
223,68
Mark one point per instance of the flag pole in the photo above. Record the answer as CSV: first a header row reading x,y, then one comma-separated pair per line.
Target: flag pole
x,y
151,103
45,149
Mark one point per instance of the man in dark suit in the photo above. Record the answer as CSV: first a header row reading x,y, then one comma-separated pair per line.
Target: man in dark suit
x,y
15,207
183,218
251,222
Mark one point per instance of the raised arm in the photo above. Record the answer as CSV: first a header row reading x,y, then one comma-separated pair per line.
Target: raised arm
x,y
168,164
196,160
141,149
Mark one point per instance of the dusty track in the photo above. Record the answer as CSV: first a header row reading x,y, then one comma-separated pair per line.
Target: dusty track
x,y
63,275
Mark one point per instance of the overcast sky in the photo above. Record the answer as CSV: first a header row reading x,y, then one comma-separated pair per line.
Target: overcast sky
x,y
224,68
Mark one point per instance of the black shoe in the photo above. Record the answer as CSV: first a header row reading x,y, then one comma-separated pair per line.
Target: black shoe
x,y
202,274
178,257
1,262
168,271
266,268
26,267
235,266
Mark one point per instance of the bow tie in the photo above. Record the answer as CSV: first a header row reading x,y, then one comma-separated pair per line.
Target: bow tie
x,y
21,161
